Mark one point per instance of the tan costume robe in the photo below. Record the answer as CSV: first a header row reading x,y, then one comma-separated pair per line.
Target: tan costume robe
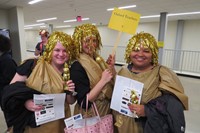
x,y
155,80
94,73
46,79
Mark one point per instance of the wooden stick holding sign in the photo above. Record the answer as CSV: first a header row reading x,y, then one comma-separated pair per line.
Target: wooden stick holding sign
x,y
123,21
116,43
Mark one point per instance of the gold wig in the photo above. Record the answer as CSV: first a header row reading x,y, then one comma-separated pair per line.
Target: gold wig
x,y
64,39
147,41
82,32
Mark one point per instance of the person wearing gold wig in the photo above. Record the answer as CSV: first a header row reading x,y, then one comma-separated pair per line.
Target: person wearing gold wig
x,y
45,76
163,99
90,73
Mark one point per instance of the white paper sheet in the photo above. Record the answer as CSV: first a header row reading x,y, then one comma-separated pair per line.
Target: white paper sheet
x,y
53,107
122,92
70,122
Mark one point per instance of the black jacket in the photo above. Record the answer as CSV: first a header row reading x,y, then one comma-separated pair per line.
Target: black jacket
x,y
13,99
7,70
164,115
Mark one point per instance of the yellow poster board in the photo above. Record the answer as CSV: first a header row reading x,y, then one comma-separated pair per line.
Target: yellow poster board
x,y
124,21
160,44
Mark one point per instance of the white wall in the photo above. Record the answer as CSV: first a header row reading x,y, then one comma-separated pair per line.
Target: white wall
x,y
3,19
190,37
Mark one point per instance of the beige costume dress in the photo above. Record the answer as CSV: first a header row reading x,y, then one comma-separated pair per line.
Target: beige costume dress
x,y
45,78
94,73
155,80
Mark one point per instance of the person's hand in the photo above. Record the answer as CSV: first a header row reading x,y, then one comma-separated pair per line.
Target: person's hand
x,y
111,61
29,104
137,109
106,76
71,86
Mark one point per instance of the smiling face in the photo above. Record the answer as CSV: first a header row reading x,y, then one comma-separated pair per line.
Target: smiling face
x,y
143,44
89,45
59,55
141,57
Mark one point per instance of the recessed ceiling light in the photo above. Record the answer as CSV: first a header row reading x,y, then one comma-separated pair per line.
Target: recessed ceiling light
x,y
26,28
74,20
186,13
64,26
32,25
85,19
34,1
122,7
43,26
151,16
171,14
46,19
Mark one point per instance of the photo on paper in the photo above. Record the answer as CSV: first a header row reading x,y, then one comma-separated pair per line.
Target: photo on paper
x,y
129,96
48,109
126,91
53,107
69,122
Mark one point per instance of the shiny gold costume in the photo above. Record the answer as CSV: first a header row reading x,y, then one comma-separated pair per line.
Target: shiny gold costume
x,y
94,74
46,79
158,79
155,80
92,67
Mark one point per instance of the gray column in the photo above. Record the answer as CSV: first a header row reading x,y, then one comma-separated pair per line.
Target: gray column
x,y
178,44
161,34
50,28
17,33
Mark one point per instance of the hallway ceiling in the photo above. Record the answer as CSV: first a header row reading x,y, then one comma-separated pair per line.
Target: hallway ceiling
x,y
96,10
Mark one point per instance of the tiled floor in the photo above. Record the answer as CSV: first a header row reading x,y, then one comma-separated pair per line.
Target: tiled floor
x,y
192,89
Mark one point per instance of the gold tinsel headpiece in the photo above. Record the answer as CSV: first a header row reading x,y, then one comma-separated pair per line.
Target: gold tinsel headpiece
x,y
64,39
146,40
83,31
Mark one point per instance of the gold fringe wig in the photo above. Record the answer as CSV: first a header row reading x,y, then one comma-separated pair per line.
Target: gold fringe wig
x,y
65,40
146,40
82,32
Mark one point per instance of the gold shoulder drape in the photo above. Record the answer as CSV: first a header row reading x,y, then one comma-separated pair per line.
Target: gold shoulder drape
x,y
45,79
155,80
94,73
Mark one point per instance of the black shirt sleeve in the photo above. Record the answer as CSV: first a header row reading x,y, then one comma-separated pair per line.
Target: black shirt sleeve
x,y
26,68
82,85
38,46
7,71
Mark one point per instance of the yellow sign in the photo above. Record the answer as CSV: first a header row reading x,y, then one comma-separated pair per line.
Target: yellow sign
x,y
160,44
124,20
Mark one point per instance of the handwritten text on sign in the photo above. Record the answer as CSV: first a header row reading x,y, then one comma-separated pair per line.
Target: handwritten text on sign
x,y
124,20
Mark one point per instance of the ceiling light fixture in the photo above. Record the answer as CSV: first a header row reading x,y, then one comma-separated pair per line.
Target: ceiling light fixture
x,y
122,7
32,25
47,19
186,13
72,20
34,1
75,20
43,26
151,16
64,26
171,14
26,28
